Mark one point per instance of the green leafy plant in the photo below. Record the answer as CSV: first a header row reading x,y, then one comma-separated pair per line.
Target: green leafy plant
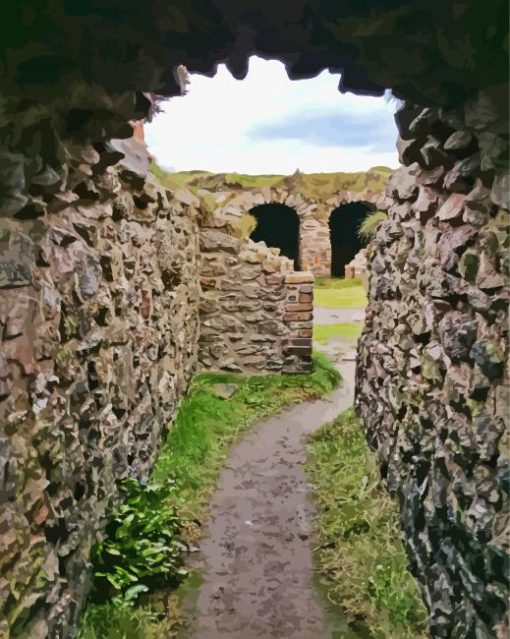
x,y
370,223
142,549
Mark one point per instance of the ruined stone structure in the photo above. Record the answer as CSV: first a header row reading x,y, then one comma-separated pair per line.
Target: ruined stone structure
x,y
313,209
432,384
256,312
98,335
104,317
99,311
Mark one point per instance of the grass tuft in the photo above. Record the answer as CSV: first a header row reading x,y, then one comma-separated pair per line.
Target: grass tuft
x,y
360,554
370,223
337,283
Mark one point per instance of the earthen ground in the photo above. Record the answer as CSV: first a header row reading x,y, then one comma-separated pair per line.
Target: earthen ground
x,y
256,557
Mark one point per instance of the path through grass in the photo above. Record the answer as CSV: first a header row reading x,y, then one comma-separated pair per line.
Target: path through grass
x,y
216,409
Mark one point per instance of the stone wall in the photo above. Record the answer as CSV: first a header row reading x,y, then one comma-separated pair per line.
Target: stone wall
x,y
256,313
432,375
102,318
313,212
99,330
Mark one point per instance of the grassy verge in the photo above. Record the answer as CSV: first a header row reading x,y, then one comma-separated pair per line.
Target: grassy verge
x,y
360,553
337,282
216,409
348,331
347,297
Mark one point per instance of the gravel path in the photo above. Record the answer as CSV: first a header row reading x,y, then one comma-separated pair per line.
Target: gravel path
x,y
337,315
255,559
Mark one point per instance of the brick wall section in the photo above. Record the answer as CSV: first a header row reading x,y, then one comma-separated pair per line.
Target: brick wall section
x,y
298,318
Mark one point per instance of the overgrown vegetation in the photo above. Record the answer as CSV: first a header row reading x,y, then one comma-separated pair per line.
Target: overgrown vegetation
x,y
370,223
347,297
142,548
360,553
244,225
348,331
143,551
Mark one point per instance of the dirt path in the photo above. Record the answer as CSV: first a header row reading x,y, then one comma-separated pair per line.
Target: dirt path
x,y
337,315
255,559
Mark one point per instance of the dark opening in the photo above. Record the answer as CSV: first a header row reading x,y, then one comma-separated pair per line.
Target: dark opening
x,y
343,230
278,226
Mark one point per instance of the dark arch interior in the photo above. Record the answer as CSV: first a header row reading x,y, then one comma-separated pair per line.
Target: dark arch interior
x,y
343,229
278,225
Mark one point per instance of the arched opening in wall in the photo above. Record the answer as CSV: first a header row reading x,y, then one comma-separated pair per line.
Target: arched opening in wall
x,y
344,225
278,226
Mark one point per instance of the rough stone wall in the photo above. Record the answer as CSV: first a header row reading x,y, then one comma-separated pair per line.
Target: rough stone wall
x,y
313,214
255,312
98,339
432,373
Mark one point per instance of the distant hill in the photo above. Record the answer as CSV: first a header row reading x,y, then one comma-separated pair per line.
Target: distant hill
x,y
311,185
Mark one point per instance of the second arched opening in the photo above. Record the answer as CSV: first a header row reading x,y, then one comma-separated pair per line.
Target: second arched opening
x,y
278,226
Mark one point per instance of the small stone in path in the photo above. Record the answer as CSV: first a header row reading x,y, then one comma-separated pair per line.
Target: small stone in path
x,y
224,391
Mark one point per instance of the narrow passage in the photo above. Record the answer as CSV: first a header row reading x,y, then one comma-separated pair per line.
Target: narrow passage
x,y
256,558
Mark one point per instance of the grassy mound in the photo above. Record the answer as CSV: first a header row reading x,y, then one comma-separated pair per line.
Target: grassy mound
x,y
317,186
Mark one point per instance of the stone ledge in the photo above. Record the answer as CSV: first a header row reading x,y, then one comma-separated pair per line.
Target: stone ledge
x,y
300,277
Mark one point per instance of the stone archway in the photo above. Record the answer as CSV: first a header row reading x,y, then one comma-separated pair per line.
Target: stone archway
x,y
278,226
345,241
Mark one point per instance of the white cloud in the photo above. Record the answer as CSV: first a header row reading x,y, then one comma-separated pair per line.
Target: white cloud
x,y
210,127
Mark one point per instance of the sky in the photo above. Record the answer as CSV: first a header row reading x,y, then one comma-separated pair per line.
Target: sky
x,y
267,123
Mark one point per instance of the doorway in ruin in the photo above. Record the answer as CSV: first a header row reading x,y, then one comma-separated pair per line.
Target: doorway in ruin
x,y
278,226
344,223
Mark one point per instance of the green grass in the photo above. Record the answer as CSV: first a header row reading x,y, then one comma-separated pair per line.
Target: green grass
x,y
349,297
360,554
370,223
187,468
325,332
115,620
337,282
